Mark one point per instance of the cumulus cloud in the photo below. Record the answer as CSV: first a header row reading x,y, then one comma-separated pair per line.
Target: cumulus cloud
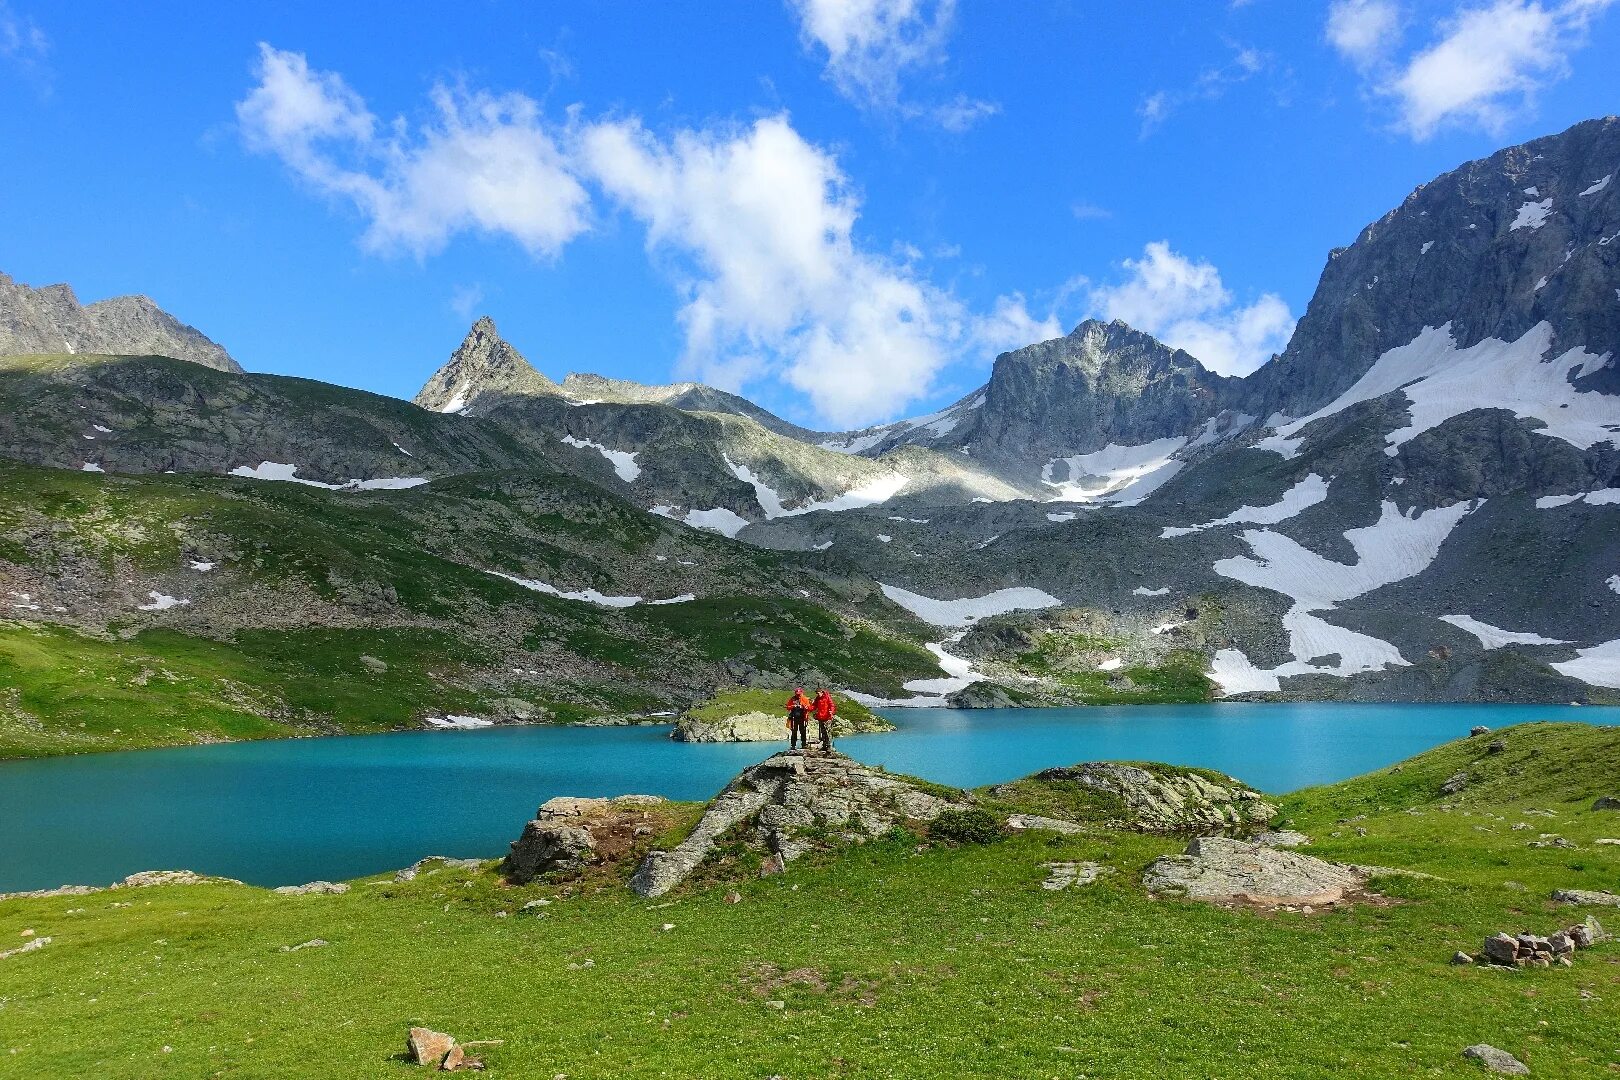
x,y
757,226
1184,303
483,163
1363,31
1484,64
871,45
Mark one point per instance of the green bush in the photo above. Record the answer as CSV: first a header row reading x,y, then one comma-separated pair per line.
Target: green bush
x,y
971,826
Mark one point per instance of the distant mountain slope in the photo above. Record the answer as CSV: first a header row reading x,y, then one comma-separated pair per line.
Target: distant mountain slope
x,y
51,320
688,396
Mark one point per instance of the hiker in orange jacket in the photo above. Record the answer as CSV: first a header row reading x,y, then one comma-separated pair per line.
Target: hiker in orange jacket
x,y
798,720
824,710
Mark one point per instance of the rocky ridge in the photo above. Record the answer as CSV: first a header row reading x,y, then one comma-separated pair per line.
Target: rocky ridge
x,y
51,320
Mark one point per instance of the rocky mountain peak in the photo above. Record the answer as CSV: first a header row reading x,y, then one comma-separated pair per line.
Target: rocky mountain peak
x,y
51,320
484,363
1492,248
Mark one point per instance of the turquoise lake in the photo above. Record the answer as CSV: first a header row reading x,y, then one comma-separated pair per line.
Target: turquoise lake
x,y
290,811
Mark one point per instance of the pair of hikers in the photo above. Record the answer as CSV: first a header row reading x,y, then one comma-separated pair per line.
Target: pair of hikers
x,y
800,709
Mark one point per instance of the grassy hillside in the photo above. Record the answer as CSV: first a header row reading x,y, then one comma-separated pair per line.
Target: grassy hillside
x,y
886,961
293,595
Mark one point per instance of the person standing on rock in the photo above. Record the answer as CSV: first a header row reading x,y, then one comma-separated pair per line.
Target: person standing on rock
x,y
798,720
825,710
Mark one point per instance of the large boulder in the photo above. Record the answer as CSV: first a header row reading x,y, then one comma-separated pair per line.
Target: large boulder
x,y
1223,870
568,834
1159,799
785,798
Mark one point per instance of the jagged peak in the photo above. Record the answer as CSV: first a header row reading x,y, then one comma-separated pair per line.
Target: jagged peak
x,y
484,363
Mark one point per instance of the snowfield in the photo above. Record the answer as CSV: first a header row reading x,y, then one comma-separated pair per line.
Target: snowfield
x,y
275,470
1494,637
458,723
1600,497
1303,495
162,602
1599,665
870,493
720,520
1116,473
969,610
589,596
1394,548
1532,215
1441,381
623,461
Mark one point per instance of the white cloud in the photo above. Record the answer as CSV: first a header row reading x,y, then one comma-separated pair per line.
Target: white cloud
x,y
23,47
1010,326
1363,31
871,45
1211,84
464,300
1185,305
484,163
755,224
1484,65
758,227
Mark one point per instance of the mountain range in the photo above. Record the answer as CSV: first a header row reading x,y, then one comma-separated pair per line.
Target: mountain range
x,y
1419,499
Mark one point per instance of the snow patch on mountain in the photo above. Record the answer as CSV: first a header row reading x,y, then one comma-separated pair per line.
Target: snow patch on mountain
x,y
720,520
1117,473
871,493
1142,590
1599,186
1532,215
1303,495
589,596
1494,637
1600,497
1396,547
1441,381
623,461
281,471
968,610
1599,665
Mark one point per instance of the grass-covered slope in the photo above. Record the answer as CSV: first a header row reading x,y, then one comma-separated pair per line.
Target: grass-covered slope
x,y
294,609
949,961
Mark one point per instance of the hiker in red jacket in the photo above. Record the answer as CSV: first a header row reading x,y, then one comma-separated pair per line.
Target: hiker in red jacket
x,y
824,710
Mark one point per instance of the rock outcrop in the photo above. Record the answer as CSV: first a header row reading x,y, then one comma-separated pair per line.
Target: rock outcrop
x,y
1164,799
51,320
1495,1060
568,834
1223,870
744,727
776,803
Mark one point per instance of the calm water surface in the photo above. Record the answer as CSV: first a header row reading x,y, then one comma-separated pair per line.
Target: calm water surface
x,y
281,812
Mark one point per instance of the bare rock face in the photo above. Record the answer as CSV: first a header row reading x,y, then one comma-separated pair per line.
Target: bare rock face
x,y
1169,801
567,834
51,320
484,363
1222,870
785,797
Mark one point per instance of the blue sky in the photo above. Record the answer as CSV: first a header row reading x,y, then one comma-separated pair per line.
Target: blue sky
x,y
845,208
